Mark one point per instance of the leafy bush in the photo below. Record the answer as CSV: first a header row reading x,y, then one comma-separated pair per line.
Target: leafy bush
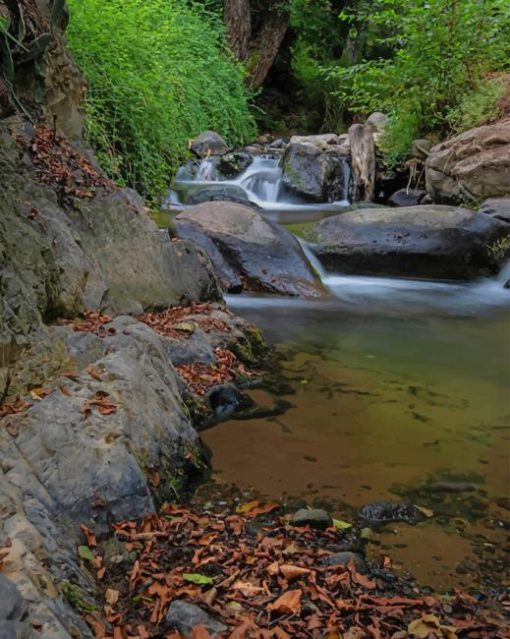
x,y
158,73
428,56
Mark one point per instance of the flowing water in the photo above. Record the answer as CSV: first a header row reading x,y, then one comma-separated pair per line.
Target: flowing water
x,y
261,184
396,389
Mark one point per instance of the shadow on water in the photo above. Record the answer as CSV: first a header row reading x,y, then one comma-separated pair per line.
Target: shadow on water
x,y
398,389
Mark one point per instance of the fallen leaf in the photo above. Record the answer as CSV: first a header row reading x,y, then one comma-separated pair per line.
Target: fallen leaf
x,y
293,572
112,596
341,525
425,511
288,603
196,578
85,553
200,632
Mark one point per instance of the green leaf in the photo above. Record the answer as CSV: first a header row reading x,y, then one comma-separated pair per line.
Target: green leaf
x,y
196,578
366,533
85,553
341,525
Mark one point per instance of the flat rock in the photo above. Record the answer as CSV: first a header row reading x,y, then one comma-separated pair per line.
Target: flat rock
x,y
184,617
472,166
439,242
249,253
313,517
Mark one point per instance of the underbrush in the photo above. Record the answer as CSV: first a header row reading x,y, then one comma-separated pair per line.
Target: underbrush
x,y
158,74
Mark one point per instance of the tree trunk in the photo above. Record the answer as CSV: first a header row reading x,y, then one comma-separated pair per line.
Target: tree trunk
x,y
265,47
237,19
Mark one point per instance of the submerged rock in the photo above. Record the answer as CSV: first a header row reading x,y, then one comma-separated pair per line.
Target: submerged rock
x,y
184,617
313,168
208,143
472,166
314,517
420,241
387,511
249,253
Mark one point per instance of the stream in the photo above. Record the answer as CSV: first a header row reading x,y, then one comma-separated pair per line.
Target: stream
x,y
396,390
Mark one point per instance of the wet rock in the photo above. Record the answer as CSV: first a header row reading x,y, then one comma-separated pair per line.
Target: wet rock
x,y
233,164
184,617
226,400
420,241
471,166
313,169
344,559
12,606
249,252
406,197
506,285
209,143
387,511
219,193
278,144
313,517
498,208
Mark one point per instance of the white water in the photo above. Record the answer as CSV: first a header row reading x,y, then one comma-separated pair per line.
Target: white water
x,y
261,183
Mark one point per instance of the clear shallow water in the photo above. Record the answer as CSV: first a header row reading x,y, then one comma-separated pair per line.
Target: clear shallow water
x,y
393,384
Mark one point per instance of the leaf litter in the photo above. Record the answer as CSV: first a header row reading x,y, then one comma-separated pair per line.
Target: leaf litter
x,y
237,568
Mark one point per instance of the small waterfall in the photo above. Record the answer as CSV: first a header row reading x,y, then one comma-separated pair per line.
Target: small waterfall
x,y
314,261
261,183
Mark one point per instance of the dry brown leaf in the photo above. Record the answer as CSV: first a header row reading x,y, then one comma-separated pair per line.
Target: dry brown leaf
x,y
200,632
288,603
293,572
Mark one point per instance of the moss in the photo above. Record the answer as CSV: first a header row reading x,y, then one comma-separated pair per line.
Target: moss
x,y
76,597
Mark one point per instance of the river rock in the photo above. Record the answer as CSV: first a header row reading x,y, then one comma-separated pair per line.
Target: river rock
x,y
498,208
313,168
472,166
208,143
233,164
184,617
344,559
249,252
313,517
420,241
388,511
407,197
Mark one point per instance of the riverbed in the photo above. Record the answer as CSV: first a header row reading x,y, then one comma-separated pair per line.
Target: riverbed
x,y
396,391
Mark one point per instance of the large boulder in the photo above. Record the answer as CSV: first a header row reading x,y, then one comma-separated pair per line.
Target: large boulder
x,y
313,168
99,251
249,253
419,241
472,166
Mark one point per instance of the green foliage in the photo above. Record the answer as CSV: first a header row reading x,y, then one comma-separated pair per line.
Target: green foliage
x,y
424,63
158,73
478,106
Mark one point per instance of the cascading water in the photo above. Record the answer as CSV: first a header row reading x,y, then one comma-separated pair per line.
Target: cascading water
x,y
261,183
